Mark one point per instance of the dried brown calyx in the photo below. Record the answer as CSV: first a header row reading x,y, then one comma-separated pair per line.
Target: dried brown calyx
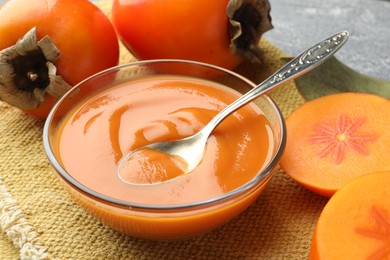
x,y
249,19
28,72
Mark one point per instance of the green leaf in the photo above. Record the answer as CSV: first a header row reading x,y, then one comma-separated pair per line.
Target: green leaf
x,y
334,77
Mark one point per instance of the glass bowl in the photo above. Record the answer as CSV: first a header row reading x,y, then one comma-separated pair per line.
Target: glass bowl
x,y
154,220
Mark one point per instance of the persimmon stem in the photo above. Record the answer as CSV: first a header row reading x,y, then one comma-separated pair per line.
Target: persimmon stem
x,y
248,20
28,72
32,76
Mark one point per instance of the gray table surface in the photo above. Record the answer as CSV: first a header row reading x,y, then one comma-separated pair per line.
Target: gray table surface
x,y
300,23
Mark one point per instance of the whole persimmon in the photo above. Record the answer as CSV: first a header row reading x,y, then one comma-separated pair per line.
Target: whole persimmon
x,y
47,46
219,32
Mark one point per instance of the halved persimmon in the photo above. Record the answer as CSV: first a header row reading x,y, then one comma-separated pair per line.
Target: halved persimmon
x,y
335,138
355,223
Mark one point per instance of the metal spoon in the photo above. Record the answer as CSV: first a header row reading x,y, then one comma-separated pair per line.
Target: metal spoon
x,y
191,149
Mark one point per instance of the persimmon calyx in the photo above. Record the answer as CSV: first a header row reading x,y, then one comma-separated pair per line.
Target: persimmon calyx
x,y
28,72
248,20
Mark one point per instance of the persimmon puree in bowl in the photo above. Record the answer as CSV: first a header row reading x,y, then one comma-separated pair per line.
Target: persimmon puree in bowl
x,y
121,109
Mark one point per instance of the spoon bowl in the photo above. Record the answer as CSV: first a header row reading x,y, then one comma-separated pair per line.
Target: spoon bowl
x,y
191,149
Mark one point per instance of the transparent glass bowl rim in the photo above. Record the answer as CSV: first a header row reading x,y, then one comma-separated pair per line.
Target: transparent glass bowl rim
x,y
256,180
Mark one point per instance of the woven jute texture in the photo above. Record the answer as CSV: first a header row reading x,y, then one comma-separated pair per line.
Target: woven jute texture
x,y
40,221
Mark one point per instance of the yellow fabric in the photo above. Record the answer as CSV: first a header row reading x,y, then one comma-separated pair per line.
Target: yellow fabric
x,y
33,202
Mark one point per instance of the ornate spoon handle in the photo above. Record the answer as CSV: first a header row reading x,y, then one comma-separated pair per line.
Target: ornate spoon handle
x,y
303,63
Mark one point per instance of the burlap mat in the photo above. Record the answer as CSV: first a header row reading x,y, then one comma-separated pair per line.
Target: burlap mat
x,y
39,220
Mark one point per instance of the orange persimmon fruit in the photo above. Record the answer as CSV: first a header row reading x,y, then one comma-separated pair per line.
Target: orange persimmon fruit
x,y
335,138
49,46
218,32
355,223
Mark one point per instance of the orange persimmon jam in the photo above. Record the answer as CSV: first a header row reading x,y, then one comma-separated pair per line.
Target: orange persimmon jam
x,y
99,131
